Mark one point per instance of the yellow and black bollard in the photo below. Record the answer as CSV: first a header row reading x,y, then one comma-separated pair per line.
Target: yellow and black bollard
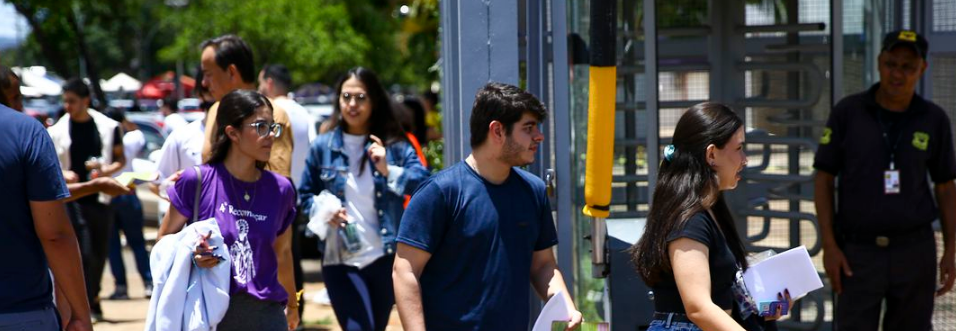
x,y
602,90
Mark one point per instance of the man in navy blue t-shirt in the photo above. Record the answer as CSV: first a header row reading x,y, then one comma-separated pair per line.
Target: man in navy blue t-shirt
x,y
476,233
35,233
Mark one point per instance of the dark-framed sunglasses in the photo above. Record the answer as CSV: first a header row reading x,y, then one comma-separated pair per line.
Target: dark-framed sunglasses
x,y
264,128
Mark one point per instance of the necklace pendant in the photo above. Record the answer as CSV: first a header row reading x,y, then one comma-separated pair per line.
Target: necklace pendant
x,y
246,197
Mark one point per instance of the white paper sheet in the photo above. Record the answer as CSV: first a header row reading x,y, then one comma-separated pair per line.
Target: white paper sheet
x,y
555,310
790,270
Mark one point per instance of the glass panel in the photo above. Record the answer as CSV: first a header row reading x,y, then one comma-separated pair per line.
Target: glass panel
x,y
864,24
944,15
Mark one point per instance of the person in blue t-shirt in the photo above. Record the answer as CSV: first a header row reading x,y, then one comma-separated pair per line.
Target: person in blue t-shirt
x,y
476,233
36,236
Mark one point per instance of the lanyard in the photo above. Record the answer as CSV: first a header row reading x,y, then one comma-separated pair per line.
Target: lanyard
x,y
886,136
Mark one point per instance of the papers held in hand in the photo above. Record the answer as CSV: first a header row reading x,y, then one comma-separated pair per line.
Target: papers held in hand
x,y
791,270
556,309
131,179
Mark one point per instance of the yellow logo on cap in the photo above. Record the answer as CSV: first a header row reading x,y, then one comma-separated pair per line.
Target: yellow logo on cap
x,y
908,36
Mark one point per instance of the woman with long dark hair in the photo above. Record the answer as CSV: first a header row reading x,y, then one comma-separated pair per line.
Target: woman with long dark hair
x,y
360,169
253,208
691,253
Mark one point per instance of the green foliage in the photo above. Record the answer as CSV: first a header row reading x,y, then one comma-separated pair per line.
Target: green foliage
x,y
101,22
434,153
315,39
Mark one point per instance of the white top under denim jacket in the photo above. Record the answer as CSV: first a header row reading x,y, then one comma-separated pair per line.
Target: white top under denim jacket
x,y
328,168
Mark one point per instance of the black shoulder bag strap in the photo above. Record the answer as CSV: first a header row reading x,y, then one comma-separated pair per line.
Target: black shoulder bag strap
x,y
198,192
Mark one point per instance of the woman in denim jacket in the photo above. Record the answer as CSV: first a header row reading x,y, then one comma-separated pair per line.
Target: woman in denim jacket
x,y
366,162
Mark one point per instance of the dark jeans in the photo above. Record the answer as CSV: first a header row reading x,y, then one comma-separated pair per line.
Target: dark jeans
x,y
45,319
298,228
128,212
361,298
905,276
248,313
96,223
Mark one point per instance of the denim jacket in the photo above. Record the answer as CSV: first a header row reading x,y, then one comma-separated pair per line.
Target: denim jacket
x,y
327,165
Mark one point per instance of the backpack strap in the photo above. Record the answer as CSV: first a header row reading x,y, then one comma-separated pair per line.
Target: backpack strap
x,y
198,192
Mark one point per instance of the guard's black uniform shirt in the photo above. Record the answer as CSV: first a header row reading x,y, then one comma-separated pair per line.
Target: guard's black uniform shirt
x,y
854,150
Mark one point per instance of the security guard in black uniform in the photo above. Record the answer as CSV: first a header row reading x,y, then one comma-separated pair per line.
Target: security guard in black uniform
x,y
879,244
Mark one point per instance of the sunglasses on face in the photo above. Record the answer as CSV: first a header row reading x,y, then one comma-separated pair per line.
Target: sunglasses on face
x,y
263,128
360,98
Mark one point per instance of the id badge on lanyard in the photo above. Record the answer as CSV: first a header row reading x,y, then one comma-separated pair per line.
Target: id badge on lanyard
x,y
891,177
891,180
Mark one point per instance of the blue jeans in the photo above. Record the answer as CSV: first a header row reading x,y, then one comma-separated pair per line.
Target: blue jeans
x,y
45,319
661,325
361,298
129,218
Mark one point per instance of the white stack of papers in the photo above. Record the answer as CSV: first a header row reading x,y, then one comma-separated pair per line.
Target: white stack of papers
x,y
555,310
791,270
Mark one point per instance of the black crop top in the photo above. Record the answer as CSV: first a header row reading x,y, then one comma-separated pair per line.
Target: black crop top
x,y
723,266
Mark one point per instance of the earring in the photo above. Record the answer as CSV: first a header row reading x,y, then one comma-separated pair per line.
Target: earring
x,y
713,163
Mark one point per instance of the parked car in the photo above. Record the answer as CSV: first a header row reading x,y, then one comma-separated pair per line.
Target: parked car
x,y
41,109
149,105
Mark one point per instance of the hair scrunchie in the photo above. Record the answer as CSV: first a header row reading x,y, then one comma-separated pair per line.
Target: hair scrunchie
x,y
669,152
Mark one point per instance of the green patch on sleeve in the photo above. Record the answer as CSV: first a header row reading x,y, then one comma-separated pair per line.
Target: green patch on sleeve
x,y
825,139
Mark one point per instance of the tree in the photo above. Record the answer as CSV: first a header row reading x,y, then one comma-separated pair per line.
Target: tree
x,y
78,37
315,39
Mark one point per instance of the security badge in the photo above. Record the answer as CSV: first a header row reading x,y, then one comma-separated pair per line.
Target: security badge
x,y
891,181
891,177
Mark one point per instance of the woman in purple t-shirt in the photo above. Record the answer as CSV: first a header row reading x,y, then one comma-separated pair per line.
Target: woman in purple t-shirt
x,y
253,208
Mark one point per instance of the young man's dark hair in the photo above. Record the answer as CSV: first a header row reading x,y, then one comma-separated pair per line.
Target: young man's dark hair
x,y
280,76
6,80
201,92
415,118
116,114
431,97
78,87
172,103
230,49
503,103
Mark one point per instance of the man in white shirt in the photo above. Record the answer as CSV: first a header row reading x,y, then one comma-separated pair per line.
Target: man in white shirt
x,y
169,106
274,82
182,149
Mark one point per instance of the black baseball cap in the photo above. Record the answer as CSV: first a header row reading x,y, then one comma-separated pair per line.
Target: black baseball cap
x,y
906,38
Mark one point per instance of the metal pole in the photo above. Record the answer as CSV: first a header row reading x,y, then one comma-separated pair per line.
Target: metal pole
x,y
790,27
179,82
562,140
479,45
836,54
601,116
651,98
